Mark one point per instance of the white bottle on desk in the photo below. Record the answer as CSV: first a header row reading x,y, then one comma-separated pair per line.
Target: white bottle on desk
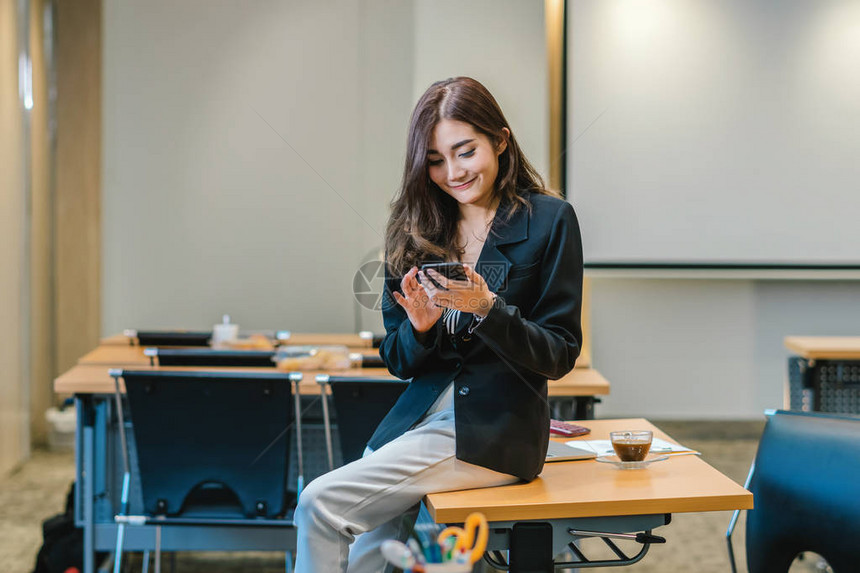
x,y
225,332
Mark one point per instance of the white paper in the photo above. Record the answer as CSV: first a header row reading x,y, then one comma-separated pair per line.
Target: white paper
x,y
604,447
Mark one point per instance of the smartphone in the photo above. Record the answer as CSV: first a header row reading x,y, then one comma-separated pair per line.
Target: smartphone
x,y
452,271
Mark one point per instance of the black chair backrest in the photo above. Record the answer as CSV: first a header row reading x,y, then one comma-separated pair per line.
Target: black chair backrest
x,y
210,357
360,404
173,337
806,492
372,361
196,432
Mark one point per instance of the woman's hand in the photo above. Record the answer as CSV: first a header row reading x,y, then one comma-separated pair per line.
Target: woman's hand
x,y
421,311
471,295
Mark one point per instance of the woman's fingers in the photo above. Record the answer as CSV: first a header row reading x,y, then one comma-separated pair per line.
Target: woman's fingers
x,y
401,300
473,276
408,283
441,280
429,287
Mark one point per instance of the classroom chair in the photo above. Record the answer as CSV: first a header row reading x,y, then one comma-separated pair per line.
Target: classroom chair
x,y
359,406
804,485
209,357
169,337
209,449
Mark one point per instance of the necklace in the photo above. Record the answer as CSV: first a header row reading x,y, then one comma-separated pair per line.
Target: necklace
x,y
478,234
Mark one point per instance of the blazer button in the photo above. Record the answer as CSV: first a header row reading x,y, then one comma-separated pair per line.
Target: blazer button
x,y
458,364
464,391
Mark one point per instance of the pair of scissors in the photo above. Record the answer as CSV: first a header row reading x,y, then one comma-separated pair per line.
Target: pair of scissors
x,y
471,538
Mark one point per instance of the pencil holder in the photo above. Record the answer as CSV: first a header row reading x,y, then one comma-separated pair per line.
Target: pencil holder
x,y
450,567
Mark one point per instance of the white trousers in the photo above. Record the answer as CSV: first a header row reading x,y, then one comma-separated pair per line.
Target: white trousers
x,y
378,497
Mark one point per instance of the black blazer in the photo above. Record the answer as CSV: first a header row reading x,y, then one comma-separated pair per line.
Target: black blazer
x,y
534,264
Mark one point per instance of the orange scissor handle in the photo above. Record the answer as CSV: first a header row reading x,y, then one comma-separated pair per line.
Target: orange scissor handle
x,y
477,535
471,538
459,535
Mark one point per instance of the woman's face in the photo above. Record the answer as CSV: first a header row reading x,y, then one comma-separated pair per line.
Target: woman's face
x,y
463,162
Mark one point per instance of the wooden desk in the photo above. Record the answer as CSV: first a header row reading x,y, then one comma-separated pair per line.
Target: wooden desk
x,y
352,341
594,496
93,378
825,347
824,374
123,355
96,378
296,339
115,356
590,488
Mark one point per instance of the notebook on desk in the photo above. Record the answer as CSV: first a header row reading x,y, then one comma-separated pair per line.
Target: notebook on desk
x,y
561,452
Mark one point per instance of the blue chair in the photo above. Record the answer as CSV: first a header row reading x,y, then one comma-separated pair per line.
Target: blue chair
x,y
209,357
169,337
210,449
804,482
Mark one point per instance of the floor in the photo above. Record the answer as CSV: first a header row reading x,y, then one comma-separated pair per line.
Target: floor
x,y
696,541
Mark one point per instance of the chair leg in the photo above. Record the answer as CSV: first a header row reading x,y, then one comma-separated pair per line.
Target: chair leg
x,y
157,549
288,566
734,521
117,556
145,566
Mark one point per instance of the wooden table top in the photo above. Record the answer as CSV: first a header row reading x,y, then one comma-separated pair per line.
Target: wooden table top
x,y
95,378
124,355
590,488
353,341
296,338
91,376
825,347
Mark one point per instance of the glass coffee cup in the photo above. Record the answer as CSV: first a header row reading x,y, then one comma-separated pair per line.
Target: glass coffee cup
x,y
631,445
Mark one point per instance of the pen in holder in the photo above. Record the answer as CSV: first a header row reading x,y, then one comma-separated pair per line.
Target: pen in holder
x,y
453,550
449,567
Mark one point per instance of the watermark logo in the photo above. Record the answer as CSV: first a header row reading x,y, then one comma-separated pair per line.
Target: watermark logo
x,y
496,275
368,286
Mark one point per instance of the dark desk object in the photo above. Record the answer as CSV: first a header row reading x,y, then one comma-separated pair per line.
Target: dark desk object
x,y
359,405
209,357
366,360
169,337
804,482
212,448
824,373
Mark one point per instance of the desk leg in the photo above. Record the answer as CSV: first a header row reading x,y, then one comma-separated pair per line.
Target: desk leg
x,y
532,545
88,500
531,548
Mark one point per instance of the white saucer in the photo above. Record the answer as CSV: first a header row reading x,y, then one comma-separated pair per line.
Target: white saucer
x,y
649,459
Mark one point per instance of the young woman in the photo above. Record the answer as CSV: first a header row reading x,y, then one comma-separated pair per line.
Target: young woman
x,y
479,349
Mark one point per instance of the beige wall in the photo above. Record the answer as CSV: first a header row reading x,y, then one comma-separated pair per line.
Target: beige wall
x,y
77,239
250,156
42,370
14,438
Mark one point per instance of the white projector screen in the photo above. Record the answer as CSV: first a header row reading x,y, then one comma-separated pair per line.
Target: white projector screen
x,y
715,132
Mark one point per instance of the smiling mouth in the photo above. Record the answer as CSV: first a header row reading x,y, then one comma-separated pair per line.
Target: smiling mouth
x,y
465,185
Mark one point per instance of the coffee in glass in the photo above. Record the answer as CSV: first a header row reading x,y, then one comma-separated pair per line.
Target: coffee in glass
x,y
631,445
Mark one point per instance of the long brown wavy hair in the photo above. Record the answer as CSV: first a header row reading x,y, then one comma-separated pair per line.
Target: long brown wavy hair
x,y
423,222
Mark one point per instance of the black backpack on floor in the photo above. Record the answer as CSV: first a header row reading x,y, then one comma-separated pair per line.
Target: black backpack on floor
x,y
63,543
